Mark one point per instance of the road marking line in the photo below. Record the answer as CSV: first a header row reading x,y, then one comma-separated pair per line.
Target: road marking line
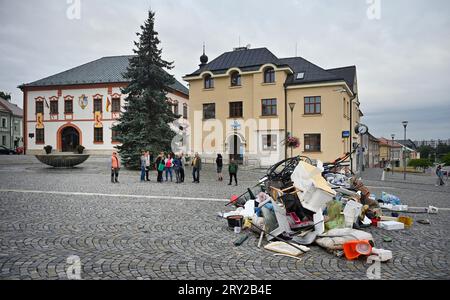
x,y
112,195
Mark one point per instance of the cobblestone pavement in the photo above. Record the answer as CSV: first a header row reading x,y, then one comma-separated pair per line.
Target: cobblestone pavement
x,y
166,231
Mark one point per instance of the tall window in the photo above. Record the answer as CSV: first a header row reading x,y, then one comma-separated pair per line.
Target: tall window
x,y
209,111
269,107
209,82
68,106
312,143
115,105
98,105
98,135
236,110
313,105
4,123
176,108
4,140
39,107
185,111
40,136
235,79
269,142
269,75
54,107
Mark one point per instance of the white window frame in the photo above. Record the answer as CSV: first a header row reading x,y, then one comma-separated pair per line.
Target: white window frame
x,y
274,147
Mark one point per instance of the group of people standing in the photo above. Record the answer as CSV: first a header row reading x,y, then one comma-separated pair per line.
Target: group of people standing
x,y
173,163
168,165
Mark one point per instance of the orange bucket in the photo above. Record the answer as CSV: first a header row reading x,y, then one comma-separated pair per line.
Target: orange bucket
x,y
355,249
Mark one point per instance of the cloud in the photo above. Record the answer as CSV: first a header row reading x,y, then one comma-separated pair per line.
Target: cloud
x,y
403,59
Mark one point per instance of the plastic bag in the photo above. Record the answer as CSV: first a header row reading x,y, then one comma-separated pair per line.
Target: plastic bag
x,y
335,218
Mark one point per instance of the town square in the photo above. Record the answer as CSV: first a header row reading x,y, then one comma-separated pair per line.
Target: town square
x,y
193,141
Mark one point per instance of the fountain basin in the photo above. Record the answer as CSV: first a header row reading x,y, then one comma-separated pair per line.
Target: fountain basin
x,y
62,160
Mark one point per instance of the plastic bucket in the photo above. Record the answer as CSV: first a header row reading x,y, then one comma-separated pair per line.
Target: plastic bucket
x,y
354,249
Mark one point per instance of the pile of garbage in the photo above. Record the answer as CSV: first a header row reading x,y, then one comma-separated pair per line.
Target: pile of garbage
x,y
298,204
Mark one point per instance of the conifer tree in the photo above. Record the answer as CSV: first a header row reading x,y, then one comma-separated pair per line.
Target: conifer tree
x,y
144,125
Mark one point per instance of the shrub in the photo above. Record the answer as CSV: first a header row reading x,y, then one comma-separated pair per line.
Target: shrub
x,y
420,163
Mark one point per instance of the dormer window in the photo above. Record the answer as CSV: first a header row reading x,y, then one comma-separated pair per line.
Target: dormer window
x,y
235,79
269,75
209,82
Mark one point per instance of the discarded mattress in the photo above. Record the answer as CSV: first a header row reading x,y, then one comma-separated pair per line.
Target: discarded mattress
x,y
336,238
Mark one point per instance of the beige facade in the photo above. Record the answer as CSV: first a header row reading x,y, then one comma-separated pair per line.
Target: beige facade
x,y
215,134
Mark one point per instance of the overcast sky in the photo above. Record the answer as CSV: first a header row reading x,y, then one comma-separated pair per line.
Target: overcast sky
x,y
402,52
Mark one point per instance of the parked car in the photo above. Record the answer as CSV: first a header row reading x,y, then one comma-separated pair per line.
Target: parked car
x,y
6,151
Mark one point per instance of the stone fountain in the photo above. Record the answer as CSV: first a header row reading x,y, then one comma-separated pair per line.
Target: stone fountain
x,y
62,160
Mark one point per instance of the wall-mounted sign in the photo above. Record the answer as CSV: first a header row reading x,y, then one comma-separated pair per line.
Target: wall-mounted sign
x,y
345,134
235,125
83,101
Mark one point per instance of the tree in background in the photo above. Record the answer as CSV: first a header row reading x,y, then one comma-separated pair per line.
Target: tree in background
x,y
420,163
446,159
442,150
6,96
145,123
427,152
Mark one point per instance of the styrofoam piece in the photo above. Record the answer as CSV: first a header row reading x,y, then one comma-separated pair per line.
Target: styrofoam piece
x,y
351,212
432,210
383,254
249,209
400,208
319,226
391,225
366,221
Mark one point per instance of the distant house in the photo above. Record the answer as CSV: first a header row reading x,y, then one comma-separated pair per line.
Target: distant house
x,y
393,152
11,134
371,147
81,105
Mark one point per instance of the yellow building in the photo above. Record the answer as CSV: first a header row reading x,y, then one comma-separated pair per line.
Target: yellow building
x,y
240,106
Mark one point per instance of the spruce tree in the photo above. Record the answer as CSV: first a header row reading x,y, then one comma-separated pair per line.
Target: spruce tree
x,y
144,125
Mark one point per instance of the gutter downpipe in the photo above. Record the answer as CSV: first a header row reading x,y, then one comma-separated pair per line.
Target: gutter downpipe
x,y
351,129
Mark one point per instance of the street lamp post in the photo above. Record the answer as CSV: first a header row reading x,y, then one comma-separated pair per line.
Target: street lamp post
x,y
392,153
292,106
405,124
